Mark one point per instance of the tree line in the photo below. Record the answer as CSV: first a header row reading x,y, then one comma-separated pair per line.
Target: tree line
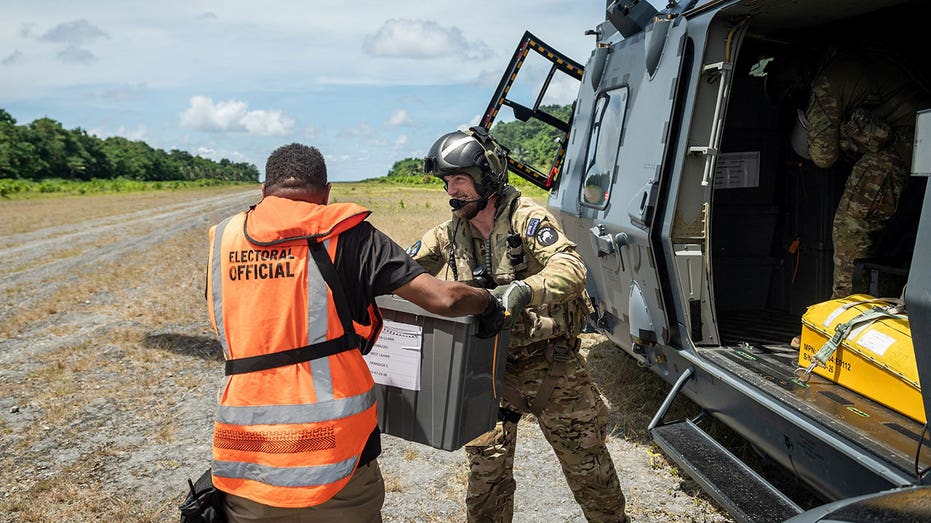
x,y
532,142
44,149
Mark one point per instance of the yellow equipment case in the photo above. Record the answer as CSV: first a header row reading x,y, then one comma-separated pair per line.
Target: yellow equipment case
x,y
874,357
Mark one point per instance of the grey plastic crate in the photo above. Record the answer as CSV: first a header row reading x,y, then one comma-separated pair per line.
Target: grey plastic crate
x,y
460,381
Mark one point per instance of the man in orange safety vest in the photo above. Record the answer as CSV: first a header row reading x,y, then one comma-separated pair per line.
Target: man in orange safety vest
x,y
291,286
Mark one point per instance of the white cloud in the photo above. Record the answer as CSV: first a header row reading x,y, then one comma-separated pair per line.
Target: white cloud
x,y
422,39
476,119
400,142
204,115
76,55
233,116
562,90
266,123
399,118
74,33
25,30
140,132
16,57
489,78
207,151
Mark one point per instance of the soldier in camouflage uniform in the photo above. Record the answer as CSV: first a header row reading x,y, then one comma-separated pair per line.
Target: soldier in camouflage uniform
x,y
499,240
863,107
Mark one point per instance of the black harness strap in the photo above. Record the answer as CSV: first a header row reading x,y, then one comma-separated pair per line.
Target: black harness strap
x,y
331,277
290,357
348,341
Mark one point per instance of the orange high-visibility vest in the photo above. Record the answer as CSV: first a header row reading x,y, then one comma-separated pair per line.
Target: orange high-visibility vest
x,y
297,405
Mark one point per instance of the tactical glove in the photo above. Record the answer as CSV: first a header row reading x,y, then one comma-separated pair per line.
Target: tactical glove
x,y
491,321
515,296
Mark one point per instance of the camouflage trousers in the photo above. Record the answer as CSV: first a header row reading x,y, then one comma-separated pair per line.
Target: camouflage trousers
x,y
870,198
573,421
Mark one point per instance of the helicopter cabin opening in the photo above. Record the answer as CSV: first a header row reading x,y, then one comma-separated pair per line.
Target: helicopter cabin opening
x,y
772,210
762,217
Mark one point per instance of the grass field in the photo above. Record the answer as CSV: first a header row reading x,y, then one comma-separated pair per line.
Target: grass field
x,y
404,213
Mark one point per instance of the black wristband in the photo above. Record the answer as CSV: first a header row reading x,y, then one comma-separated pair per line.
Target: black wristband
x,y
492,318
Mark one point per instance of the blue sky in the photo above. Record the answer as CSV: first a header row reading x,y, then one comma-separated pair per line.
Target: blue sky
x,y
368,82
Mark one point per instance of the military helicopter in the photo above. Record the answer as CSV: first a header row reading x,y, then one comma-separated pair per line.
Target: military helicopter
x,y
708,238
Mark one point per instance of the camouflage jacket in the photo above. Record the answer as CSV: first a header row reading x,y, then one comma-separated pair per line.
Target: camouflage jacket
x,y
862,103
555,271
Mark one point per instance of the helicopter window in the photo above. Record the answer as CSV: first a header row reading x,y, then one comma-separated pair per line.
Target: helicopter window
x,y
607,123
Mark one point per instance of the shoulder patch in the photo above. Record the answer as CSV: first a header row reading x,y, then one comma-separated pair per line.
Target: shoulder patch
x,y
547,236
414,249
532,226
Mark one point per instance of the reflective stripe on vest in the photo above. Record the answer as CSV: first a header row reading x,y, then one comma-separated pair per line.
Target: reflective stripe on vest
x,y
285,414
217,276
292,477
288,436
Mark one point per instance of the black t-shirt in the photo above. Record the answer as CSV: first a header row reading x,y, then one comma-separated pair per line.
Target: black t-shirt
x,y
371,264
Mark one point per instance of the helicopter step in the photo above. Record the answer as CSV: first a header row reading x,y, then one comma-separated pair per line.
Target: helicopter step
x,y
738,488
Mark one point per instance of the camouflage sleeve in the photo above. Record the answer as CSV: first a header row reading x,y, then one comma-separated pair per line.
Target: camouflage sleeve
x,y
824,120
430,251
562,275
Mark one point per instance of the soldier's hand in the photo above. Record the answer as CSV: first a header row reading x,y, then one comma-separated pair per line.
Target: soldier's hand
x,y
491,321
515,296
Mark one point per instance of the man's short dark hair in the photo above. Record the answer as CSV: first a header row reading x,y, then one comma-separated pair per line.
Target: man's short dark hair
x,y
295,166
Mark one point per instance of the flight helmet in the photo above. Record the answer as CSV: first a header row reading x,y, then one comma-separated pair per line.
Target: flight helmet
x,y
471,152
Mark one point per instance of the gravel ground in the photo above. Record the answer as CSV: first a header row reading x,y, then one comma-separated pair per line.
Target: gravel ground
x,y
108,376
429,484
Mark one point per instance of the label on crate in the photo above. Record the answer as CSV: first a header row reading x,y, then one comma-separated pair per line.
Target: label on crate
x,y
876,342
395,359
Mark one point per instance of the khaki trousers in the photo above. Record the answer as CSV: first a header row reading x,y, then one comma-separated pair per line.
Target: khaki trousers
x,y
359,501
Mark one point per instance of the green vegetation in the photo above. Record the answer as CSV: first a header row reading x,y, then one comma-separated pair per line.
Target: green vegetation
x,y
28,188
408,171
532,142
45,153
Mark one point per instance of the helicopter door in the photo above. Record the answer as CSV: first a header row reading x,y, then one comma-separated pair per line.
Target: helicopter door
x,y
628,138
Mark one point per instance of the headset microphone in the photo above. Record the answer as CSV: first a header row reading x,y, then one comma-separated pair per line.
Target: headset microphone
x,y
457,204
